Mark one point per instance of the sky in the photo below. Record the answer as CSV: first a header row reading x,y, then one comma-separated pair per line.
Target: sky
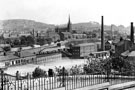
x,y
118,12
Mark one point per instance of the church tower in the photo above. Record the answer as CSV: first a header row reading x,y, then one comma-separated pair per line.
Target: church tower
x,y
69,26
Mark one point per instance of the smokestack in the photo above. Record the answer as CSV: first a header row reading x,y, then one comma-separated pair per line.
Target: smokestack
x,y
132,33
102,34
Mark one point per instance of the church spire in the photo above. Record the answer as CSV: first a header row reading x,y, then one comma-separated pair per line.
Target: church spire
x,y
69,19
69,25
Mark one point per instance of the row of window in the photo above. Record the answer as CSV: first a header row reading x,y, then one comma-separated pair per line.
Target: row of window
x,y
47,59
31,60
19,62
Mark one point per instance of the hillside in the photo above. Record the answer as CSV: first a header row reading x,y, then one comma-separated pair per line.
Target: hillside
x,y
89,26
22,24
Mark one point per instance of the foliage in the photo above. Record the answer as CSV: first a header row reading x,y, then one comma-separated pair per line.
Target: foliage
x,y
75,70
38,73
120,64
30,40
105,66
23,40
41,41
95,67
60,71
49,40
16,42
58,44
6,49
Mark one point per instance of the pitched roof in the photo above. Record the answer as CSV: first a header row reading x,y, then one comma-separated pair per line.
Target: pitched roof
x,y
26,54
85,44
8,57
50,49
66,33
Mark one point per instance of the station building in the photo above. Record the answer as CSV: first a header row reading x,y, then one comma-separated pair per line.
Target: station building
x,y
18,58
30,56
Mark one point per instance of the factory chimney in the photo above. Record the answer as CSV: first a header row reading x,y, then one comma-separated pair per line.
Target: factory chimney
x,y
132,33
102,34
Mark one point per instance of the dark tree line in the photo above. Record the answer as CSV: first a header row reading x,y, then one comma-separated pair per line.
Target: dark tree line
x,y
28,41
117,64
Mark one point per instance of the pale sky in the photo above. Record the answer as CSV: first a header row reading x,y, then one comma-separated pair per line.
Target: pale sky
x,y
57,11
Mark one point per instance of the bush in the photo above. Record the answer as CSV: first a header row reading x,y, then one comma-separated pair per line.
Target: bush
x,y
38,73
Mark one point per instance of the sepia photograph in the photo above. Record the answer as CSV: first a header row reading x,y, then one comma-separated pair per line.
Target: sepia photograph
x,y
67,45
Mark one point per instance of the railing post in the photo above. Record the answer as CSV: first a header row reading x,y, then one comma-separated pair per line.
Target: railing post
x,y
107,75
63,76
2,81
108,69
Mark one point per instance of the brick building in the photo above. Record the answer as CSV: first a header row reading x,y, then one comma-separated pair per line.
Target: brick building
x,y
83,50
65,35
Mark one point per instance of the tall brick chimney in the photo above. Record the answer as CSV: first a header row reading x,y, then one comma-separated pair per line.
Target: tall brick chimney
x,y
102,34
132,33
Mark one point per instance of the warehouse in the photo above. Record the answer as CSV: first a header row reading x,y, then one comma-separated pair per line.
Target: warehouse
x,y
83,50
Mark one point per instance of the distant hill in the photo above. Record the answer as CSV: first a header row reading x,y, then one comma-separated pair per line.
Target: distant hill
x,y
89,26
23,24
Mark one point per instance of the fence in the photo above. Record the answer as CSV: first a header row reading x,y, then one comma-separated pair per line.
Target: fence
x,y
80,81
29,83
69,82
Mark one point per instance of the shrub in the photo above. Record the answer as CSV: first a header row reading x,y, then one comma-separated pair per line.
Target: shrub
x,y
38,73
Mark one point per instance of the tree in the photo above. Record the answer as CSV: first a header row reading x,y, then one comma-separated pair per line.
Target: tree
x,y
41,41
59,44
16,42
49,40
38,73
8,41
23,40
30,40
6,49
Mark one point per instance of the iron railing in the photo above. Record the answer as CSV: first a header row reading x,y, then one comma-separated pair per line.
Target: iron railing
x,y
80,81
42,83
67,82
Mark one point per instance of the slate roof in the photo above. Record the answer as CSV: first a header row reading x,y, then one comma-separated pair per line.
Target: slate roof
x,y
14,56
50,49
85,44
8,57
66,33
26,54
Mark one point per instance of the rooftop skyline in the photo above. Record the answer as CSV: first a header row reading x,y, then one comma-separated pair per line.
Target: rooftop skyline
x,y
119,12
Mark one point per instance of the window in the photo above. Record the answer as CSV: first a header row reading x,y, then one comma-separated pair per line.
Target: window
x,y
12,62
16,62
